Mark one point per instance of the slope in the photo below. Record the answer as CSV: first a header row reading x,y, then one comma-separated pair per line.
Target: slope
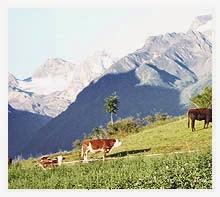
x,y
21,127
136,164
165,137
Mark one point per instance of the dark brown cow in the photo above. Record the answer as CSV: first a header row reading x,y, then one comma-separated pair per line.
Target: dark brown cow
x,y
199,114
98,145
9,161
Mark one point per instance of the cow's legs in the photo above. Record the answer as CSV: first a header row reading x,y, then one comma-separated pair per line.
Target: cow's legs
x,y
205,124
193,124
104,156
85,158
188,121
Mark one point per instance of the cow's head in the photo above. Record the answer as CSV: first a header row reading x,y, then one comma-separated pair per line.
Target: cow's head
x,y
117,143
60,159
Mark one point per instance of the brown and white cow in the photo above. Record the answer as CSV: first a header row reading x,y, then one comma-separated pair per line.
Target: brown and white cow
x,y
47,162
98,145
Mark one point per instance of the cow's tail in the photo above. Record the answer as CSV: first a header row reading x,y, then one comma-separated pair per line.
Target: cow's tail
x,y
82,152
188,121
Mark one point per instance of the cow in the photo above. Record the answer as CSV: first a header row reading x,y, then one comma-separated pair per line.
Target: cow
x,y
9,161
98,145
47,162
199,114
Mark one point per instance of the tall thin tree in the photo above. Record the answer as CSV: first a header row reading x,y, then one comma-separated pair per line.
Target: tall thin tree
x,y
111,105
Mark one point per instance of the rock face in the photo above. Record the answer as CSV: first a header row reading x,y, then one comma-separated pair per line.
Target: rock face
x,y
203,24
161,76
55,84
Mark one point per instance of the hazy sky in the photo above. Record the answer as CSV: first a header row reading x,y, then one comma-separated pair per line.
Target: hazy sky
x,y
72,34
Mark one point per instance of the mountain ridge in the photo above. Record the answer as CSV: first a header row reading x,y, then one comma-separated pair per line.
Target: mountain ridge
x,y
55,84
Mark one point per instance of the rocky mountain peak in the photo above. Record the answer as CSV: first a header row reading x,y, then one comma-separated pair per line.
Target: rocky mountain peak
x,y
12,81
54,67
200,21
99,61
203,24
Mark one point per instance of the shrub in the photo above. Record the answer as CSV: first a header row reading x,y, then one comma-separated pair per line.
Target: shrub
x,y
99,133
77,144
161,116
125,126
204,99
150,119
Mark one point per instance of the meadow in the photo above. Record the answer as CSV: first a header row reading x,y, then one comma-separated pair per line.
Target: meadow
x,y
162,155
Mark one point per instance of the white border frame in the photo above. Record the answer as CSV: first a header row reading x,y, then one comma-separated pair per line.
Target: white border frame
x,y
4,5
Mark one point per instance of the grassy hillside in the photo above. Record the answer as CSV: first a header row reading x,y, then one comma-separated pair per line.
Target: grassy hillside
x,y
136,164
171,137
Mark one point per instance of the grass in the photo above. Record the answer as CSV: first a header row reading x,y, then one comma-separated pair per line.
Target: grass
x,y
171,137
132,167
174,171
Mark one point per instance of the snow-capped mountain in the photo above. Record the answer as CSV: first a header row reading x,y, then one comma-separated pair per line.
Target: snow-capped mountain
x,y
160,76
203,24
55,84
174,60
54,75
12,81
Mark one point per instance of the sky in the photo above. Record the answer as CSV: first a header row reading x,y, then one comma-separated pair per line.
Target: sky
x,y
36,34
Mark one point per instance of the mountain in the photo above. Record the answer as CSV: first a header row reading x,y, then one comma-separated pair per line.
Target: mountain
x,y
12,81
54,75
55,84
203,24
21,127
160,76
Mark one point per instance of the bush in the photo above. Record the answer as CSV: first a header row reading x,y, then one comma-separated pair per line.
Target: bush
x,y
125,126
150,119
77,144
203,100
99,133
159,116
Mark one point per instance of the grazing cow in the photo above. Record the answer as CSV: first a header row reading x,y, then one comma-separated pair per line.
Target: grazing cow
x,y
98,145
199,114
47,162
9,161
